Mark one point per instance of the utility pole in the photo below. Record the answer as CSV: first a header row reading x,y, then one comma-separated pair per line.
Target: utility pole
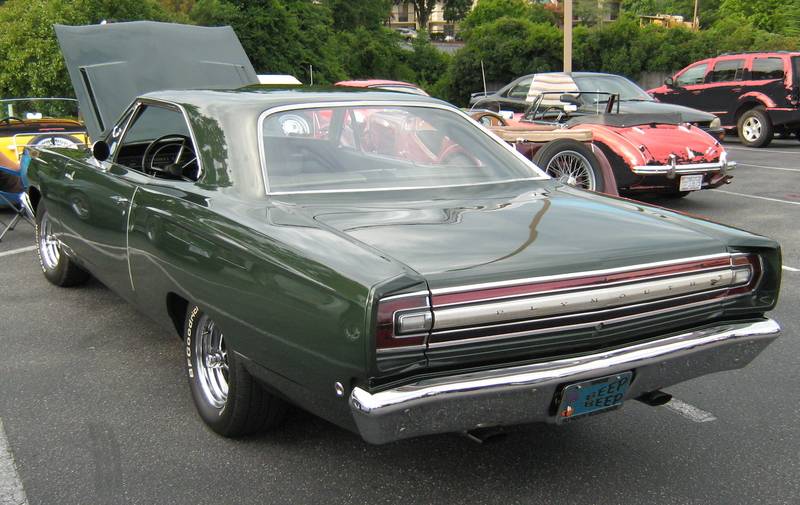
x,y
568,36
695,20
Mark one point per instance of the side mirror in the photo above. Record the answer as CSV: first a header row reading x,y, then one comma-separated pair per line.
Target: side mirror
x,y
669,82
100,151
569,99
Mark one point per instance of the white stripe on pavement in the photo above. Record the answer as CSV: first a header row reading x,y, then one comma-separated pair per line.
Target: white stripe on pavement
x,y
771,168
762,150
790,269
11,491
18,251
690,412
754,196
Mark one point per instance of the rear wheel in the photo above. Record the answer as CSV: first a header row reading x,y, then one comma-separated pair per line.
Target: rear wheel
x,y
229,400
572,163
755,128
57,267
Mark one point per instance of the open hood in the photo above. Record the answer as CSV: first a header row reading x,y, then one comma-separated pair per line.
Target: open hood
x,y
111,64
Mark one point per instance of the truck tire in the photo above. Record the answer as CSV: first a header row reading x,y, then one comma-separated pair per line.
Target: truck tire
x,y
755,128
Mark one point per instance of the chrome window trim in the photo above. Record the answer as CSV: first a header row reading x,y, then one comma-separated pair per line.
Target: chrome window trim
x,y
538,174
577,326
573,275
143,102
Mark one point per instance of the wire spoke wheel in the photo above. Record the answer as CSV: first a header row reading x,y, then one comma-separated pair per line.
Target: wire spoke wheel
x,y
572,168
49,248
211,362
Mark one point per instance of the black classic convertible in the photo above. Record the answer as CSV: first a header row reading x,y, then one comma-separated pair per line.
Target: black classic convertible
x,y
376,258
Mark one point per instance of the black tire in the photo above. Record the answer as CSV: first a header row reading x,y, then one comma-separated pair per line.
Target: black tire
x,y
56,140
245,408
558,149
755,128
57,267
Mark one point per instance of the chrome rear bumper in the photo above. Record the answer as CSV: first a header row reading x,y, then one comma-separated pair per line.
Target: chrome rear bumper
x,y
694,168
525,394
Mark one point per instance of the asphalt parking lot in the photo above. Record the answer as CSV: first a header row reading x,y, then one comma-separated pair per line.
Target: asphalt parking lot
x,y
95,408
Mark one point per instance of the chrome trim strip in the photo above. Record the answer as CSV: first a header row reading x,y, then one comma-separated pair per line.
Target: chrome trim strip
x,y
580,301
577,326
538,173
586,273
524,394
582,288
682,169
401,350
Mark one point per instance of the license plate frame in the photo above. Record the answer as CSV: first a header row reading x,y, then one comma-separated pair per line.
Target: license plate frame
x,y
691,182
593,396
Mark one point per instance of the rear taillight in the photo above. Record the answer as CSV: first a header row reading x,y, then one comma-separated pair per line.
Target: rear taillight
x,y
746,273
403,321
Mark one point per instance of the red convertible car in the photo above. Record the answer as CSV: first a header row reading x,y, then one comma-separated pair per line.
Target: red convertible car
x,y
385,84
652,153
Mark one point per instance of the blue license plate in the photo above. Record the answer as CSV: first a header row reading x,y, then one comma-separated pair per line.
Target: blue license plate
x,y
593,396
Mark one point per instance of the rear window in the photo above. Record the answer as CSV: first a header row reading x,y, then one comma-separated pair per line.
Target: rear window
x,y
727,70
767,68
358,148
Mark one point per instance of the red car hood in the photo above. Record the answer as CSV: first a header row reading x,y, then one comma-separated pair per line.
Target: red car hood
x,y
655,144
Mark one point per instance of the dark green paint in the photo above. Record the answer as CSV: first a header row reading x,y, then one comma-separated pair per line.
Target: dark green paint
x,y
293,280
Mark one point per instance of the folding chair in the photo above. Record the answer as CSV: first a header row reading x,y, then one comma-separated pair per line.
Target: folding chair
x,y
18,202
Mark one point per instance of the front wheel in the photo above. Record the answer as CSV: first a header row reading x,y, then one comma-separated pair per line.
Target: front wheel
x,y
755,128
572,163
56,266
229,400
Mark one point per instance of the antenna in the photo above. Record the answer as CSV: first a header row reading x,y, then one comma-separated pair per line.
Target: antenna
x,y
483,75
311,71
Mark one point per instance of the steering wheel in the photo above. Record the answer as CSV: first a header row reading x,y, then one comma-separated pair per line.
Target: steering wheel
x,y
485,118
182,159
7,119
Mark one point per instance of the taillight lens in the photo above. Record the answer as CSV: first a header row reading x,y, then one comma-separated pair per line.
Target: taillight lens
x,y
746,273
403,321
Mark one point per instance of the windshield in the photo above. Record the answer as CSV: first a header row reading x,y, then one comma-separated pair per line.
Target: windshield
x,y
373,147
23,109
613,84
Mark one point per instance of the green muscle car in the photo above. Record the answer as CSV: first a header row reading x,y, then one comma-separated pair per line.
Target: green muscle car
x,y
376,258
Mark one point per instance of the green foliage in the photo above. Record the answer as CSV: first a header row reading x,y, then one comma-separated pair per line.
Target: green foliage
x,y
509,47
351,14
32,61
776,16
373,54
487,11
455,10
428,63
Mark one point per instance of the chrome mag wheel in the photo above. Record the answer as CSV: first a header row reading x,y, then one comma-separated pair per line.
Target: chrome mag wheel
x,y
49,248
211,362
572,167
751,129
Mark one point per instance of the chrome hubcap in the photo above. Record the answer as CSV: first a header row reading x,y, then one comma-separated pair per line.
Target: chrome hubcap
x,y
571,167
751,129
211,362
49,249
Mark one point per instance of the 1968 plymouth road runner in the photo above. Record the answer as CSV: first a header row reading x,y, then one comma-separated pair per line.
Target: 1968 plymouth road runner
x,y
376,258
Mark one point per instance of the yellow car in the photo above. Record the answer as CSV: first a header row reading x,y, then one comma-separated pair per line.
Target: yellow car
x,y
40,122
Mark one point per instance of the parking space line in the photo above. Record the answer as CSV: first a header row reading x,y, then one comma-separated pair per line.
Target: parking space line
x,y
11,490
755,196
18,251
790,269
763,151
771,168
690,412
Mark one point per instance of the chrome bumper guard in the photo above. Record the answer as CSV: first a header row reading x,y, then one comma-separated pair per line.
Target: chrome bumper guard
x,y
693,168
525,394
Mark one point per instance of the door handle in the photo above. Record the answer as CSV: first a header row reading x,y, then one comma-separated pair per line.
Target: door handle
x,y
736,90
696,92
119,200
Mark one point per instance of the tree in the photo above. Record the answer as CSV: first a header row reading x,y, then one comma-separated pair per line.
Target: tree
x,y
456,10
351,14
32,61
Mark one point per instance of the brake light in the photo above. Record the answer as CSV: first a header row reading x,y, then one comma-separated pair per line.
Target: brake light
x,y
746,273
403,321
